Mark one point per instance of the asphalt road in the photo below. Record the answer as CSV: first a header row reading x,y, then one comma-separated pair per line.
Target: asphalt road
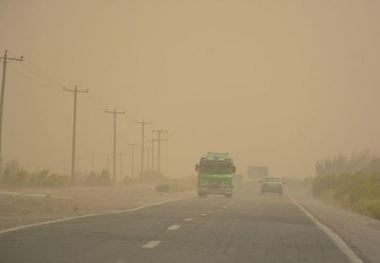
x,y
246,228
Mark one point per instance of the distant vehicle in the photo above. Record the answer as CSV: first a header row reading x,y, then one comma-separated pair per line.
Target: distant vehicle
x,y
215,175
272,185
257,172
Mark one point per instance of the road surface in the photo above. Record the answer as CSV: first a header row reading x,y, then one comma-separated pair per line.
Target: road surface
x,y
246,228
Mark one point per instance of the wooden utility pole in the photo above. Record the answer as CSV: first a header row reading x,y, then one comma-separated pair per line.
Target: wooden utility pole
x,y
147,157
152,153
75,91
114,113
159,139
143,123
5,59
92,156
133,159
121,165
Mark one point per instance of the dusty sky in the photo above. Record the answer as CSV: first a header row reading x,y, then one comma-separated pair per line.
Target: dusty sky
x,y
273,82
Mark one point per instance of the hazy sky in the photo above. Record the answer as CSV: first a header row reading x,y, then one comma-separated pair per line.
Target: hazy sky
x,y
281,83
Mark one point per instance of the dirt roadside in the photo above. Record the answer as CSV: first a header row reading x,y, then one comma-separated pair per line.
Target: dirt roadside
x,y
28,206
361,233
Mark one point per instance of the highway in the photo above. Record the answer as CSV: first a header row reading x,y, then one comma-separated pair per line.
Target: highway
x,y
246,228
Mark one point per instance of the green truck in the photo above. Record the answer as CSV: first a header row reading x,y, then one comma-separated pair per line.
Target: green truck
x,y
215,174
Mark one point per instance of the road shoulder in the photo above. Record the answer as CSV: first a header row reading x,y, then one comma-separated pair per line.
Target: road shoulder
x,y
29,207
360,232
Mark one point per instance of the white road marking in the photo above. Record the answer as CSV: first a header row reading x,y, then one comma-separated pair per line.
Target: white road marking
x,y
174,227
88,215
152,244
331,234
204,214
33,195
189,219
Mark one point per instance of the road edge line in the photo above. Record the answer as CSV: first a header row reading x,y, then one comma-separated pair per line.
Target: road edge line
x,y
337,240
17,228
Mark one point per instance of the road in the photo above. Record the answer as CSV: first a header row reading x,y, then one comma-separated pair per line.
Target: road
x,y
246,228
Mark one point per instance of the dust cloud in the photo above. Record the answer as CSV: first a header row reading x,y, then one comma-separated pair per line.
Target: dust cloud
x,y
276,83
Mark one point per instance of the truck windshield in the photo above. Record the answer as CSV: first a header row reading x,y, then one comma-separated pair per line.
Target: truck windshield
x,y
220,167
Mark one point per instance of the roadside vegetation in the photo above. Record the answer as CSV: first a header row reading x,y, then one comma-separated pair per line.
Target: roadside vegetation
x,y
177,184
353,183
299,182
15,176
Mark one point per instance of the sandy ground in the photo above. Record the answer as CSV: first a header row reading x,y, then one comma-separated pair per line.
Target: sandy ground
x,y
26,206
361,233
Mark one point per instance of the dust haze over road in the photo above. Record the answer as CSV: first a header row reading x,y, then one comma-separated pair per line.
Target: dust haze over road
x,y
248,228
263,84
276,83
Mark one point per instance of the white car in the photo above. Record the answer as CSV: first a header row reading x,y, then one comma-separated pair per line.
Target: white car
x,y
272,185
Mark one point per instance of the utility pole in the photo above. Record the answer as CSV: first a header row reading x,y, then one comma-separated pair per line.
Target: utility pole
x,y
107,159
5,59
133,159
147,157
152,152
159,139
121,165
92,156
114,112
143,123
75,91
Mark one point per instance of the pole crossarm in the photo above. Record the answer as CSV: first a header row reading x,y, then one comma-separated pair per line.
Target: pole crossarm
x,y
14,59
7,59
75,90
114,112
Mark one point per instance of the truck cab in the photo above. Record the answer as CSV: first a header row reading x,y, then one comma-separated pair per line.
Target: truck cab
x,y
215,175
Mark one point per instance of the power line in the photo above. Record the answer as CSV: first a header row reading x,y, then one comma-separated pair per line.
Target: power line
x,y
5,60
43,74
75,91
114,113
143,123
30,71
32,78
